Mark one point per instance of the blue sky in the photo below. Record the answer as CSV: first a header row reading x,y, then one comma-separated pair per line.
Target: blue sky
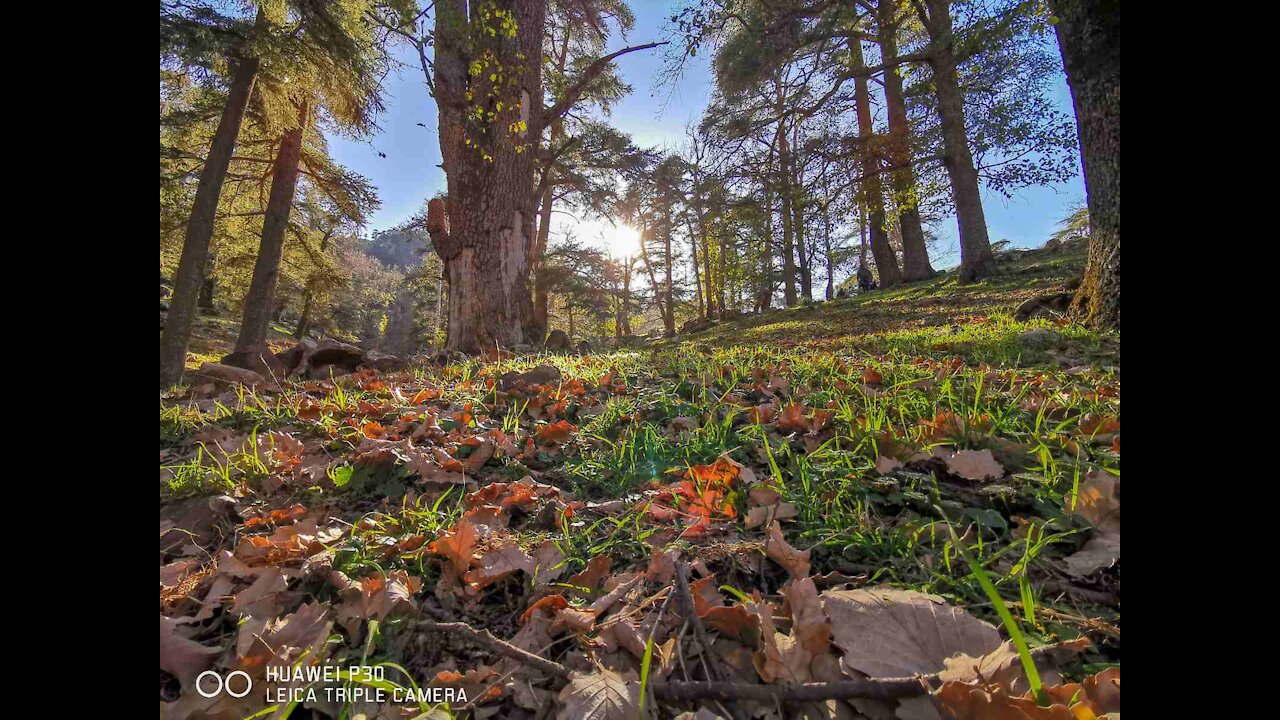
x,y
654,116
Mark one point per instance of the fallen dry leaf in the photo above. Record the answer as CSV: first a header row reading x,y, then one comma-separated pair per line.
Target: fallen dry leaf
x,y
974,464
899,633
778,550
1096,697
1098,501
181,656
600,695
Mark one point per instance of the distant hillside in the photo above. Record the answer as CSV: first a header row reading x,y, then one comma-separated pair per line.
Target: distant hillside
x,y
399,247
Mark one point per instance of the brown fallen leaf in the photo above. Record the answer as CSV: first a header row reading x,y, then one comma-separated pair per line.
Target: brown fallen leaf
x,y
181,656
1096,697
1097,501
298,636
262,598
600,695
758,516
778,550
974,465
496,564
899,633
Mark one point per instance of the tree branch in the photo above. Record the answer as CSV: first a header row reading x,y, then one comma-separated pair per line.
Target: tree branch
x,y
592,71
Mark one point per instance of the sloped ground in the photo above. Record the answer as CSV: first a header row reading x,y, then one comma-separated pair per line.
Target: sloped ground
x,y
831,496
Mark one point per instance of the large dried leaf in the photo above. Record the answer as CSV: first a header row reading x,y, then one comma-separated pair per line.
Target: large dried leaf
x,y
1098,501
601,695
1097,696
181,656
899,633
974,465
262,598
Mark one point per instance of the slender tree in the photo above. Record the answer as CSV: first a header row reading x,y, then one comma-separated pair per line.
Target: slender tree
x,y
976,258
259,302
195,249
872,191
915,254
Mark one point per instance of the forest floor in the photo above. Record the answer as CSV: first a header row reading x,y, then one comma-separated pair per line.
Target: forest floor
x,y
890,486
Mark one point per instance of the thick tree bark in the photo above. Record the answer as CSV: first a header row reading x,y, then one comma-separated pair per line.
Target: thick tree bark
x,y
195,249
484,237
259,301
976,259
1089,37
915,255
872,190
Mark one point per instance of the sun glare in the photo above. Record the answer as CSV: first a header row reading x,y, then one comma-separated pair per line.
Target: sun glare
x,y
624,241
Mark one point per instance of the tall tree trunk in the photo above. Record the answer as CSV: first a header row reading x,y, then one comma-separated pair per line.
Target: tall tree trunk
x,y
670,319
259,301
721,275
664,310
804,259
439,322
304,321
915,255
541,293
484,236
1089,37
541,286
704,310
205,303
624,309
976,259
826,244
873,192
788,239
195,248
764,298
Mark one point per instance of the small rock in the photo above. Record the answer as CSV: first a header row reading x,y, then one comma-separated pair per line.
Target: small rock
x,y
383,362
334,352
584,347
1043,306
324,372
1039,339
293,357
558,340
540,375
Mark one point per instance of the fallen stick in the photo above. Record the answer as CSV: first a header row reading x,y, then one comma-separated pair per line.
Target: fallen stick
x,y
502,647
807,692
674,691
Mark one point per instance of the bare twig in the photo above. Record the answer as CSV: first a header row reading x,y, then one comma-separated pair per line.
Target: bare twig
x,y
502,647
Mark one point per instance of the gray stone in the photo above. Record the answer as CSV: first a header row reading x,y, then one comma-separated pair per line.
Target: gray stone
x,y
1039,339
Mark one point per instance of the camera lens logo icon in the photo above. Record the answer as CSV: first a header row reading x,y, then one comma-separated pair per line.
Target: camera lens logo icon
x,y
220,684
